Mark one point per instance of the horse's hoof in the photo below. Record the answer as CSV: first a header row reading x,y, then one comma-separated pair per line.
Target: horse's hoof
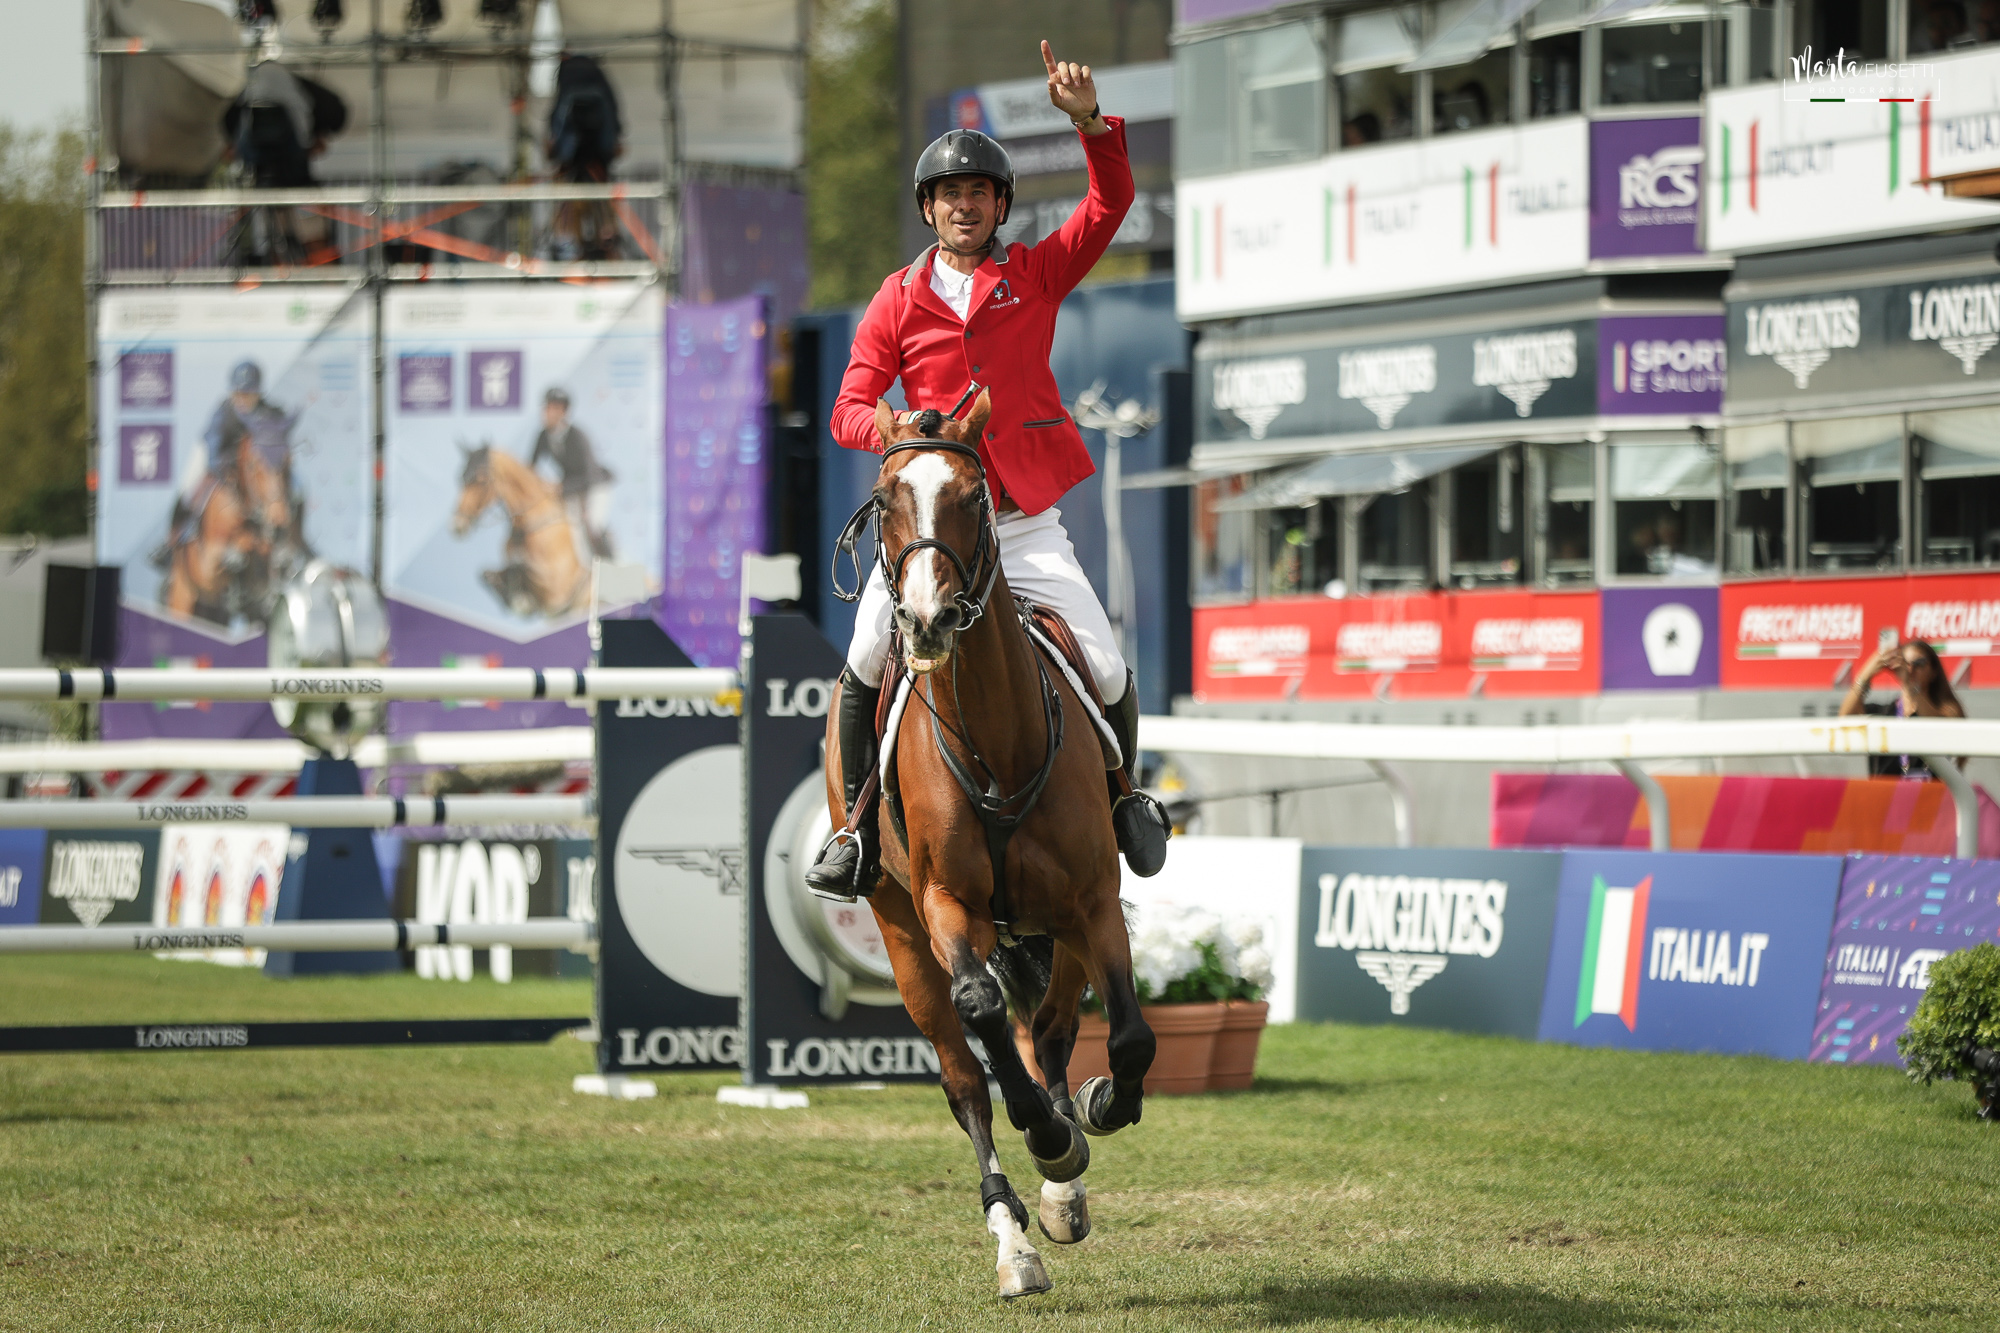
x,y
1064,1212
1023,1275
1073,1160
1093,1099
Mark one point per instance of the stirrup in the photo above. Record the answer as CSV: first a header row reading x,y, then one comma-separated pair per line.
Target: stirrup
x,y
1142,827
831,875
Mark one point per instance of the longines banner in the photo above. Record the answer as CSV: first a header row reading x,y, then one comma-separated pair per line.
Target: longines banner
x,y
525,438
91,878
1440,939
1784,171
1897,916
233,448
1308,389
1455,211
1901,344
669,871
1702,951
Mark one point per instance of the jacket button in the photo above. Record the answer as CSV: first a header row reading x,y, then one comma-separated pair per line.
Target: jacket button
x,y
975,370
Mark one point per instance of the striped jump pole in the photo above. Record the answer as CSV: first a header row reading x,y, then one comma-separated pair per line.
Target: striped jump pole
x,y
301,936
255,685
303,812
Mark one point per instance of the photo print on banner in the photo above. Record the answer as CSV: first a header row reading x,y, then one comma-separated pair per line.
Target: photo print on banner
x,y
235,448
524,440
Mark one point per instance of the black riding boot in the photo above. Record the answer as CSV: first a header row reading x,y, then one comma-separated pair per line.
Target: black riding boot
x,y
1140,822
847,865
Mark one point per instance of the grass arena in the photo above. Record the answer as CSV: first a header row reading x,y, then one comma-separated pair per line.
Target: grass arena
x,y
1373,1178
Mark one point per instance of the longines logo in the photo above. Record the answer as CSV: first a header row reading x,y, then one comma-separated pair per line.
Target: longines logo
x,y
680,1046
809,698
1404,927
1384,379
190,813
1257,391
1523,365
1801,335
675,708
93,877
1963,320
871,1057
338,687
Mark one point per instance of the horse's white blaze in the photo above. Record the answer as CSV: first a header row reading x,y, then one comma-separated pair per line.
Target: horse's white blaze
x,y
925,475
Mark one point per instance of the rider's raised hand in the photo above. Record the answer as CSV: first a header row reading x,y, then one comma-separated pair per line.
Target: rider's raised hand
x,y
1072,91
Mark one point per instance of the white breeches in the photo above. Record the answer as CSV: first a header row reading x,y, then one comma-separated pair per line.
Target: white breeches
x,y
1040,565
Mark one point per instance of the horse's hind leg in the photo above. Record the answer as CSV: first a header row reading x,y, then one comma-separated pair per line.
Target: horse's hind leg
x,y
1105,1105
927,993
1064,1213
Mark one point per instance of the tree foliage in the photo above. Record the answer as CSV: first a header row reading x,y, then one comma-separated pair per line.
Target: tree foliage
x,y
855,177
43,424
1960,1011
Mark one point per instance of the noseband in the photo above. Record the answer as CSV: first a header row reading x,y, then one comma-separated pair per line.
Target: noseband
x,y
985,552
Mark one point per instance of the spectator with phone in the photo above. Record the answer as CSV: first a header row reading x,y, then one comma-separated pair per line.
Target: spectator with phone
x,y
1925,692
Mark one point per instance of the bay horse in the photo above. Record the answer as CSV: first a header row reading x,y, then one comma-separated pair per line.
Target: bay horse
x,y
543,575
222,561
983,702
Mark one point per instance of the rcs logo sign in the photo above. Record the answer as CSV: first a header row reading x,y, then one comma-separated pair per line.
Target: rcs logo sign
x,y
809,698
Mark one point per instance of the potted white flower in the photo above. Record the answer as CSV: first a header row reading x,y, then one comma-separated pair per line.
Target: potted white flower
x,y
1201,980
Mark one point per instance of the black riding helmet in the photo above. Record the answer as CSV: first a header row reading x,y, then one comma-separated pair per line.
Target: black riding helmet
x,y
966,153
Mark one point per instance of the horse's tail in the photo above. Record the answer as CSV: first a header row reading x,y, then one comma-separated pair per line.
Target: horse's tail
x,y
1023,970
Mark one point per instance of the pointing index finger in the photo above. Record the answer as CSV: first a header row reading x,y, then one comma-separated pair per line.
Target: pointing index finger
x,y
1048,56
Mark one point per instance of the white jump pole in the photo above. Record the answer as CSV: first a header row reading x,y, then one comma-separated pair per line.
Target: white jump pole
x,y
303,812
300,937
252,685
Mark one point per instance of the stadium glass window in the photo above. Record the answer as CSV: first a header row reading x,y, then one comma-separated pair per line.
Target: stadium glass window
x,y
1251,99
1858,27
1650,62
1301,549
1555,75
1940,26
1487,521
1397,541
1748,34
1377,101
1562,478
1224,542
1469,96
1958,473
1663,500
1758,468
1850,492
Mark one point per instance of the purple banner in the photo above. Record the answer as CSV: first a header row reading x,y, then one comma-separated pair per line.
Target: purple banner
x,y
146,454
1645,187
423,382
151,641
146,380
493,381
717,454
420,638
1897,916
1661,638
1652,364
745,240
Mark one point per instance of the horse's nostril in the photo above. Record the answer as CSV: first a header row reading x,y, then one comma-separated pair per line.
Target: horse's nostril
x,y
946,620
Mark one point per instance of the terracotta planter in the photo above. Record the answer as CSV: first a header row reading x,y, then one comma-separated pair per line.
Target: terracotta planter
x,y
1236,1044
1186,1034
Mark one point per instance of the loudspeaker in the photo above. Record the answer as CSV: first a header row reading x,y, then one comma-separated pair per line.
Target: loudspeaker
x,y
80,613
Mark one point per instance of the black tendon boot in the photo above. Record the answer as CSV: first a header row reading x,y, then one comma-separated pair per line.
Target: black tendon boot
x,y
847,867
1140,822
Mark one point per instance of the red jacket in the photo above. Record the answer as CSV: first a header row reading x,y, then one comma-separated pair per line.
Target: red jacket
x,y
1031,448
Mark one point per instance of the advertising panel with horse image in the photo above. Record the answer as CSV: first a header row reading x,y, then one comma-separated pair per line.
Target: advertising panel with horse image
x,y
234,450
524,436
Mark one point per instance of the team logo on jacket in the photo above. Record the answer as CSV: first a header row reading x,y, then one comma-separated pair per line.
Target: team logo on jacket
x,y
1003,296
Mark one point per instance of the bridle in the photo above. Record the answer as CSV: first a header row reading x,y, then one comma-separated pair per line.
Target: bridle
x,y
984,571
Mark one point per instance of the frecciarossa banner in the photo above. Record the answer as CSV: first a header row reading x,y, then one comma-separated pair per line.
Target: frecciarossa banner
x,y
1434,645
1813,634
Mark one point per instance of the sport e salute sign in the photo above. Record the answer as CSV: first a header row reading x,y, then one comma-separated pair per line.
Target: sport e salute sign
x,y
1710,952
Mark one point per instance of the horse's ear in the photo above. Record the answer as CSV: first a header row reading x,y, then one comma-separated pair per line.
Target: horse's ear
x,y
885,421
975,420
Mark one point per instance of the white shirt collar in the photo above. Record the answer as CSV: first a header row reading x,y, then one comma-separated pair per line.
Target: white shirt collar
x,y
953,287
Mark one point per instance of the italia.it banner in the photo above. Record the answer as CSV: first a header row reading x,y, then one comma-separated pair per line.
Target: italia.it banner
x,y
234,448
524,439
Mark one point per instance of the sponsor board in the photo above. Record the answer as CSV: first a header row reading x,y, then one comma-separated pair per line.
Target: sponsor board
x,y
1661,364
217,878
1814,633
1689,952
94,878
1430,645
22,855
494,881
1660,638
664,881
819,1001
1445,939
1896,917
1645,187
1455,211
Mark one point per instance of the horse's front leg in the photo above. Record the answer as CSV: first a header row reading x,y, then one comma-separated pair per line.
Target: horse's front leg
x,y
927,992
1064,1213
1106,1105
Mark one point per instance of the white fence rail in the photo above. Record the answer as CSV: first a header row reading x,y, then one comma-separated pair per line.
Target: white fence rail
x,y
1935,740
302,812
300,937
541,745
247,684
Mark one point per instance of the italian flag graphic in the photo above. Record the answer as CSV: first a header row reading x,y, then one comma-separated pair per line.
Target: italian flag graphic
x,y
1613,944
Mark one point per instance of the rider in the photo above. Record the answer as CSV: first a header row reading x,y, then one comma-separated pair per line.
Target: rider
x,y
586,483
972,310
244,422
